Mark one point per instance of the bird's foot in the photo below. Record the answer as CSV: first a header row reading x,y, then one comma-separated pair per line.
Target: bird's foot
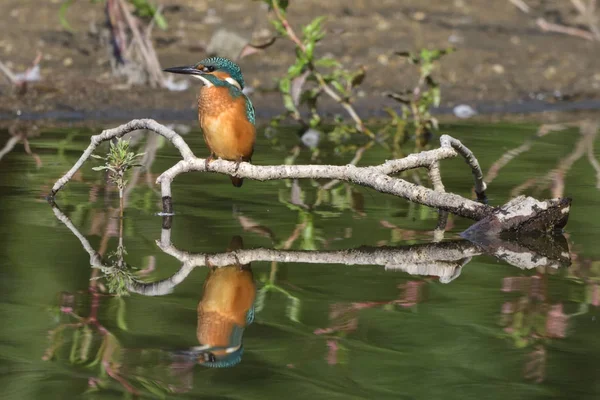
x,y
208,263
239,265
237,164
208,160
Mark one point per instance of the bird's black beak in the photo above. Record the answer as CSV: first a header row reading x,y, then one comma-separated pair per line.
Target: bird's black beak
x,y
187,70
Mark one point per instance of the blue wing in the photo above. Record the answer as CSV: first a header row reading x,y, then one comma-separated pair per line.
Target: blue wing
x,y
250,111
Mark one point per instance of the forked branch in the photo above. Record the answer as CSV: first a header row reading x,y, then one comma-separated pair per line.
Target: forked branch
x,y
378,177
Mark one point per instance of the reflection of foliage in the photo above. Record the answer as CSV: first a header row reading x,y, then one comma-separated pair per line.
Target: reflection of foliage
x,y
118,274
93,346
293,305
531,321
344,318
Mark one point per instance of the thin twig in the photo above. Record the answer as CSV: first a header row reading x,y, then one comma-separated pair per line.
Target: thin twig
x,y
588,13
550,27
521,5
148,54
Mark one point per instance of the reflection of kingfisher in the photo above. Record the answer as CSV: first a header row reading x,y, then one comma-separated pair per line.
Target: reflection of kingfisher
x,y
226,115
226,308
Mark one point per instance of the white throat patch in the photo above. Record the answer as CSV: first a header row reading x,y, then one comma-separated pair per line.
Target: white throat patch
x,y
233,82
206,82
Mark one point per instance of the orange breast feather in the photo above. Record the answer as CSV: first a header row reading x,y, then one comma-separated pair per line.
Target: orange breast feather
x,y
228,295
227,131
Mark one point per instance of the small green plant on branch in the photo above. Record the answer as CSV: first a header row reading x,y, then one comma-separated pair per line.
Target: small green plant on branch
x,y
311,76
417,102
118,160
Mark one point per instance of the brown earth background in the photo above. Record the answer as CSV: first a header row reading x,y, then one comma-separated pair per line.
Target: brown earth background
x,y
502,57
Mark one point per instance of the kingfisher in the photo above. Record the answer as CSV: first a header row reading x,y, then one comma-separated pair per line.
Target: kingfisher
x,y
224,311
225,113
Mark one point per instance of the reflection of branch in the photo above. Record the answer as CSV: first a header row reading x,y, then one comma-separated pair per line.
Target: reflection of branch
x,y
10,144
444,260
556,177
95,259
20,133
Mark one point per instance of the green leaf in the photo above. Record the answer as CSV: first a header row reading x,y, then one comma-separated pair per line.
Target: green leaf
x,y
288,103
310,49
285,85
121,322
339,87
259,303
296,69
398,97
358,77
327,62
313,29
62,15
283,4
86,344
278,26
160,20
315,120
74,346
292,310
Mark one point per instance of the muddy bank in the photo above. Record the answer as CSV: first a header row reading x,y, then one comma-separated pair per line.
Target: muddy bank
x,y
503,56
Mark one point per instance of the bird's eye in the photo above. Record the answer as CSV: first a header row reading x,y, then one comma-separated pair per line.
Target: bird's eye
x,y
208,68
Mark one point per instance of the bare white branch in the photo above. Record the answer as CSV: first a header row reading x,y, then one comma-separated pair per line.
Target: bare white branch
x,y
121,131
376,177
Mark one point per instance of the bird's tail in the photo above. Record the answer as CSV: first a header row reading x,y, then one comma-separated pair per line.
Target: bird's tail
x,y
237,182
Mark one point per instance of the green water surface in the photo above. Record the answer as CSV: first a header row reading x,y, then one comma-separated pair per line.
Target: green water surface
x,y
322,331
